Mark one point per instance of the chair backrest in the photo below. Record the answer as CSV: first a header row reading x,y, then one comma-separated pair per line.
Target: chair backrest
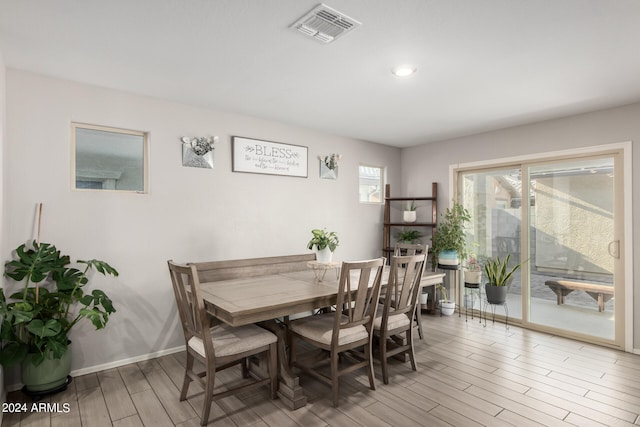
x,y
358,293
409,249
193,315
403,285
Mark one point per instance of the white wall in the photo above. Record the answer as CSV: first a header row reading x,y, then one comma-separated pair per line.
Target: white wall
x,y
431,162
190,214
2,169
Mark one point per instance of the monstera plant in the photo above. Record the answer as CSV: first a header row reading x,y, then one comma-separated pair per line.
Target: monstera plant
x,y
37,318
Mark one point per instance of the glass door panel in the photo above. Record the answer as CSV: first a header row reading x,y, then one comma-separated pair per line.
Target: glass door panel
x,y
494,200
570,236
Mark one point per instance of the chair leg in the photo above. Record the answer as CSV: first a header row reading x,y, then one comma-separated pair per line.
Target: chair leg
x,y
368,353
187,379
418,314
245,367
335,379
410,350
208,394
273,369
383,357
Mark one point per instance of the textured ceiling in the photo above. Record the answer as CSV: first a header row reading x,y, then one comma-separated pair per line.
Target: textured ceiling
x,y
482,64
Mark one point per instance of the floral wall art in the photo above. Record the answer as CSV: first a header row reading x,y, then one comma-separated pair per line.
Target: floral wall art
x,y
329,166
197,152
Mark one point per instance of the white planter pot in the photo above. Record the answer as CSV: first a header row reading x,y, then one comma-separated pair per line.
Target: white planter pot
x,y
323,255
473,277
424,298
409,216
447,307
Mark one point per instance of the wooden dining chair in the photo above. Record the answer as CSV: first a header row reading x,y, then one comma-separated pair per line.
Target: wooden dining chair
x,y
345,333
396,317
218,347
402,249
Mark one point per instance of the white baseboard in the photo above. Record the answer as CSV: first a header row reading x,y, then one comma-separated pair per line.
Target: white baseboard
x,y
111,365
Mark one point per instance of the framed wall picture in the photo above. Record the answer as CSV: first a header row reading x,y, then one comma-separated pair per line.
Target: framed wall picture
x,y
266,157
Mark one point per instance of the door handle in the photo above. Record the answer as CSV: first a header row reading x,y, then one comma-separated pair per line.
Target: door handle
x,y
614,249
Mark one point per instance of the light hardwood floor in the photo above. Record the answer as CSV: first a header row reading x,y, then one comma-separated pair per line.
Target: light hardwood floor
x,y
467,375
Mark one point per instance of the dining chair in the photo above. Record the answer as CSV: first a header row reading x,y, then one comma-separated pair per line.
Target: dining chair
x,y
396,317
218,347
413,249
345,333
409,249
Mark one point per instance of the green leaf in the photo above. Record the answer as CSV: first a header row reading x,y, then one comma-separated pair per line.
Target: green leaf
x,y
12,353
41,329
97,317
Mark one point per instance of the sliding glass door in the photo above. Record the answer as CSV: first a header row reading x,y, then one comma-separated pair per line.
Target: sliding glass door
x,y
572,246
562,220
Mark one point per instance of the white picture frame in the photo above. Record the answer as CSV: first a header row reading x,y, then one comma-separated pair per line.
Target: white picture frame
x,y
270,158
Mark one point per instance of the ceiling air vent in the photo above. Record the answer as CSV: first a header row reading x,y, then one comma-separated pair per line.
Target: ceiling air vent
x,y
325,24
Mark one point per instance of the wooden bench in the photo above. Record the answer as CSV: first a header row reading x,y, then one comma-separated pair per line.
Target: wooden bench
x,y
562,288
213,271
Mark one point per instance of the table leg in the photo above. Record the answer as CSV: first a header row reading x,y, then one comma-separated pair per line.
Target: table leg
x,y
289,390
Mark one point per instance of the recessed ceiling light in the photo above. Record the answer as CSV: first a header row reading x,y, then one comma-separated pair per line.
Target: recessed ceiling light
x,y
403,70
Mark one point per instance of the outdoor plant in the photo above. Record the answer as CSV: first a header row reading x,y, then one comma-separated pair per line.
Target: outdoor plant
x,y
38,318
497,271
450,231
473,264
323,239
409,236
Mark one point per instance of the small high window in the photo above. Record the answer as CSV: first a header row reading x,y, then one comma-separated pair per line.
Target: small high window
x,y
105,158
371,184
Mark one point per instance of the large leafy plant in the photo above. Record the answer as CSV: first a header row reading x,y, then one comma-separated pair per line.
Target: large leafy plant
x,y
450,232
37,319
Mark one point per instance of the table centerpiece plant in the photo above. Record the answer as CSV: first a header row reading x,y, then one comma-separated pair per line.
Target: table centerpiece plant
x,y
324,243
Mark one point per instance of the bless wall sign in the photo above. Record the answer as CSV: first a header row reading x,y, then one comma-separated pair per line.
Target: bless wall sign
x,y
266,157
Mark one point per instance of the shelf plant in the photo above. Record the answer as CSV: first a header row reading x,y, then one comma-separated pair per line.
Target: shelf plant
x,y
409,236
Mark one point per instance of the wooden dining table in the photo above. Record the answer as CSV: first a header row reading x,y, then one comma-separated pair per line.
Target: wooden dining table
x,y
270,300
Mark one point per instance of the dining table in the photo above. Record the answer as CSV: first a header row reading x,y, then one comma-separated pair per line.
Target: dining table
x,y
271,300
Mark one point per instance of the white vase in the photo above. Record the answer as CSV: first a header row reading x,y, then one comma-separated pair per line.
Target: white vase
x,y
473,277
424,298
447,307
409,216
323,255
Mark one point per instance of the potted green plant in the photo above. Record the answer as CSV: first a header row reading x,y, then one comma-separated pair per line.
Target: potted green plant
x,y
449,243
37,319
473,271
410,214
447,307
409,236
499,276
324,243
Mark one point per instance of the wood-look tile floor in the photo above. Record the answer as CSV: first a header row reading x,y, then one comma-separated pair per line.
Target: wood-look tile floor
x,y
467,375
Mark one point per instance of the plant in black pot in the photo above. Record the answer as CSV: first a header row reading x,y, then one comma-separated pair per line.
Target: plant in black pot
x,y
499,277
449,242
37,319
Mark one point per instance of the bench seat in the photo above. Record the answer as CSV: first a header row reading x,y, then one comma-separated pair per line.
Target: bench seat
x,y
562,288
